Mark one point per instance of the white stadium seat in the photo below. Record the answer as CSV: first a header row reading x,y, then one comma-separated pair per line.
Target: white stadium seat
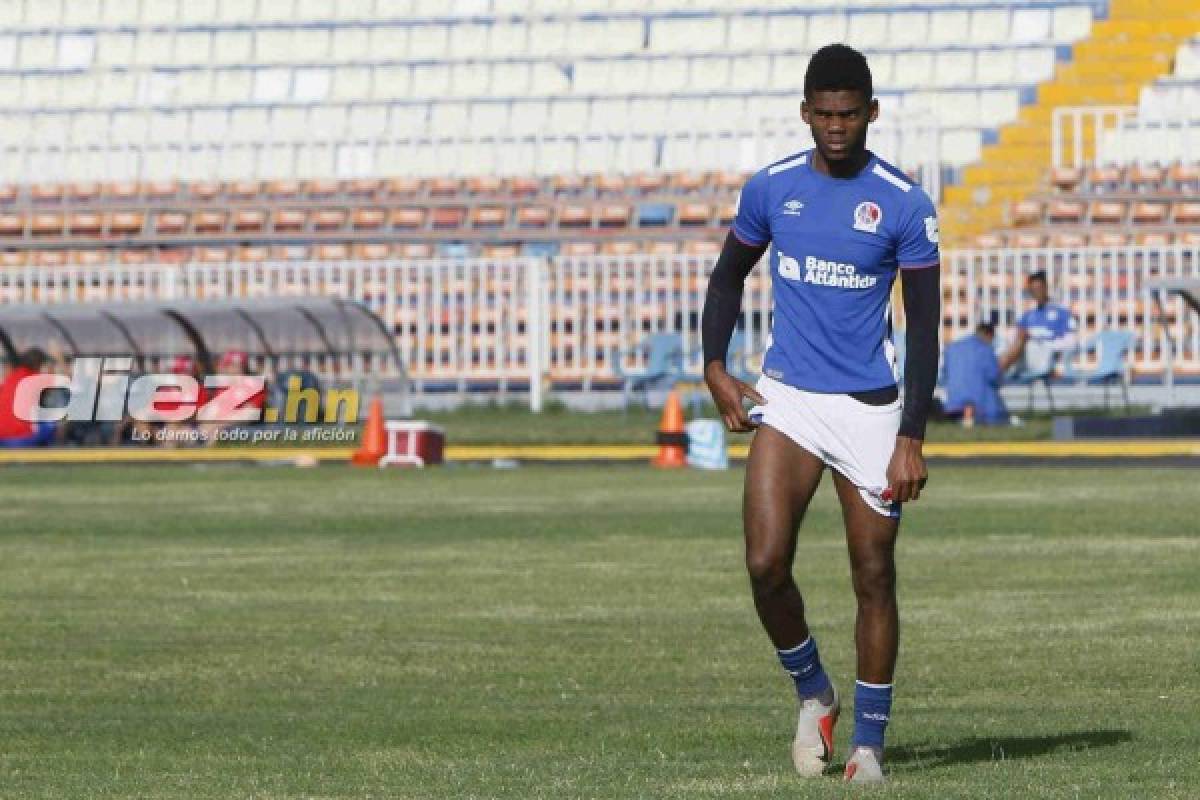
x,y
1071,23
826,29
989,26
995,67
868,31
710,73
747,33
510,79
787,32
912,70
668,75
949,28
1031,25
953,67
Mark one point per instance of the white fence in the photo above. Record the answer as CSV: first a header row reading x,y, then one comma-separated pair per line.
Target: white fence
x,y
500,325
1087,135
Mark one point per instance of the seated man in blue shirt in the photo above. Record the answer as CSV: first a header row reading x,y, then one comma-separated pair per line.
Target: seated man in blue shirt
x,y
972,377
1043,332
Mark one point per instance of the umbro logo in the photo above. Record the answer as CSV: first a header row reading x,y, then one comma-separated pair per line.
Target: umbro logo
x,y
792,208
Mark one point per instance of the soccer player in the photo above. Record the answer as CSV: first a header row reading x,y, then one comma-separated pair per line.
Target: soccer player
x,y
1050,327
840,224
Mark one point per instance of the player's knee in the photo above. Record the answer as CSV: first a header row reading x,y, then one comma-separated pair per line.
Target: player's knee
x,y
875,581
769,572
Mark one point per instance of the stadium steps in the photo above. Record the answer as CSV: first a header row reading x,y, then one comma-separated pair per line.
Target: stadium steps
x,y
1123,53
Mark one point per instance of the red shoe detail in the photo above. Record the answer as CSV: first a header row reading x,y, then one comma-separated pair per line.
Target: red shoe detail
x,y
825,725
851,768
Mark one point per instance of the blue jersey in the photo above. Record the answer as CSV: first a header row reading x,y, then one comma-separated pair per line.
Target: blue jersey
x,y
836,245
1047,323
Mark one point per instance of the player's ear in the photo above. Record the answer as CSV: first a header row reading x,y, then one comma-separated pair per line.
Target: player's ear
x,y
804,113
873,110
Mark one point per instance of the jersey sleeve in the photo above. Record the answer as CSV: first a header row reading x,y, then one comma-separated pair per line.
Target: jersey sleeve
x,y
918,243
752,224
1026,320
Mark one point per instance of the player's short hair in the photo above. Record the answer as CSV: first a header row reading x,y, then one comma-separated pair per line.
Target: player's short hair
x,y
985,329
838,67
34,358
1040,275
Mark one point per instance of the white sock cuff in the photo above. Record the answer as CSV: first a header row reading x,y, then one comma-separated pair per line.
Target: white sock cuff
x,y
796,648
874,685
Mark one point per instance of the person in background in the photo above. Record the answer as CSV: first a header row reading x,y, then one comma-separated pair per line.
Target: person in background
x,y
15,428
972,378
1043,332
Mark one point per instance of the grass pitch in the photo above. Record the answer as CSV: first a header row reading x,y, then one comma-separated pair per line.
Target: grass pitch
x,y
548,632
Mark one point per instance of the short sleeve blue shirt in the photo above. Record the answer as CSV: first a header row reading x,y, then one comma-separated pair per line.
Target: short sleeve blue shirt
x,y
1048,323
836,246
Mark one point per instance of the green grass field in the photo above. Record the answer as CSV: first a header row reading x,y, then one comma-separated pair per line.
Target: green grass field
x,y
237,632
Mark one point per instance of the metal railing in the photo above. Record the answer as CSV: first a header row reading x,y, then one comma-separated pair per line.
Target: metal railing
x,y
513,325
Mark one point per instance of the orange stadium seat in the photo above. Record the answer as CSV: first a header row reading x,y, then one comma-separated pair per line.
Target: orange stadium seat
x,y
1186,213
8,193
727,181
408,219
569,184
1185,177
48,223
1066,211
372,251
533,217
253,254
243,190
90,258
688,182
1104,179
1108,239
50,258
335,251
212,255
368,219
85,223
1026,239
135,255
662,248
701,247
609,184
12,224
650,182
620,247
83,192
283,189
578,248
693,214
444,187
250,220
290,252
170,222
414,250
364,188
989,241
488,216
204,191
289,220
1146,178
1190,238
1060,239
524,187
1107,212
159,191
1027,212
1154,238
322,189
46,192
14,258
572,216
448,217
1066,179
501,251
1148,213
726,213
209,221
484,186
614,215
122,191
329,219
403,187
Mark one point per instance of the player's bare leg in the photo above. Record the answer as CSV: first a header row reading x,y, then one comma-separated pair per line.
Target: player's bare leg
x,y
781,478
871,540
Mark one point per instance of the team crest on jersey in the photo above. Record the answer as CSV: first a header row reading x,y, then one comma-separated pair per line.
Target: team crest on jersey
x,y
792,208
867,217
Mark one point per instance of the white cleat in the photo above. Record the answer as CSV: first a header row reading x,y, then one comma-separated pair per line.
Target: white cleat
x,y
863,767
812,748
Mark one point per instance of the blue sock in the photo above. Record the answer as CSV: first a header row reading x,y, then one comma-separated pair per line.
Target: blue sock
x,y
804,665
872,707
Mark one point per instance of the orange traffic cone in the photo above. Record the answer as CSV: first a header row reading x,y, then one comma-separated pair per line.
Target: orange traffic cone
x,y
374,442
672,440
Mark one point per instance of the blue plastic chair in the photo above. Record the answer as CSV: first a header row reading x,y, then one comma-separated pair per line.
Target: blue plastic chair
x,y
664,364
1112,367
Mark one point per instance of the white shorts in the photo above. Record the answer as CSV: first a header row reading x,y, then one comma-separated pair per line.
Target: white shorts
x,y
852,437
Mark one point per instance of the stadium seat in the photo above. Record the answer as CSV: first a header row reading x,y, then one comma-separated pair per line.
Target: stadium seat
x,y
1146,178
484,217
613,215
1027,212
1104,179
209,221
579,248
289,220
85,223
249,220
447,217
1103,212
1065,212
1066,179
408,219
1148,213
1186,213
47,223
574,216
326,220
533,217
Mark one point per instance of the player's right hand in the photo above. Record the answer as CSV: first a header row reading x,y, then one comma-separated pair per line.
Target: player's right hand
x,y
728,393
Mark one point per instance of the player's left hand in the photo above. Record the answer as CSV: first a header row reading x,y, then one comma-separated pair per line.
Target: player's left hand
x,y
906,472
